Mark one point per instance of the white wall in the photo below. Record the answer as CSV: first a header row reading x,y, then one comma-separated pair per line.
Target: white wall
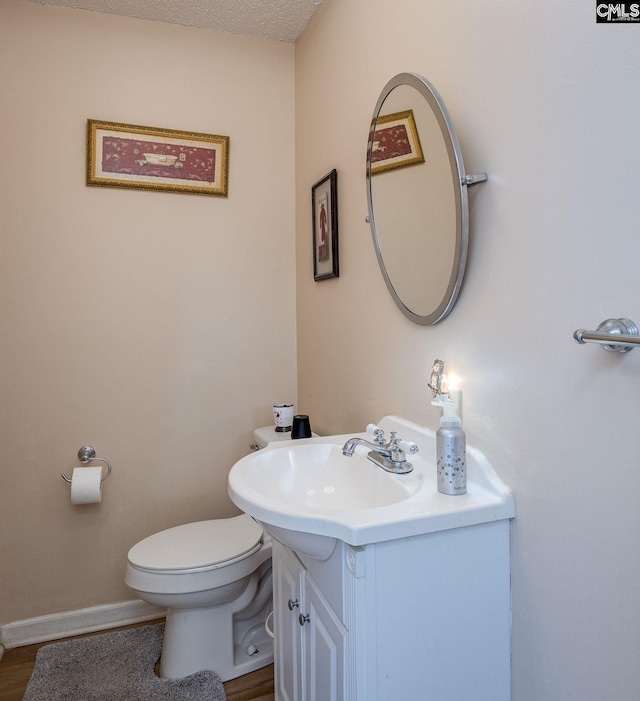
x,y
143,323
545,101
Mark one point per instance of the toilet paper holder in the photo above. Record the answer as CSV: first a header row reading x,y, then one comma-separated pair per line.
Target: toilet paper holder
x,y
86,454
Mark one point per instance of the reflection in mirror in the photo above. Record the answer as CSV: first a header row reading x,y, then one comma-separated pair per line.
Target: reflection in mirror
x,y
417,195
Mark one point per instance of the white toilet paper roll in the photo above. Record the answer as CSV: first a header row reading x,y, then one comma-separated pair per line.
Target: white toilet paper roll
x,y
86,485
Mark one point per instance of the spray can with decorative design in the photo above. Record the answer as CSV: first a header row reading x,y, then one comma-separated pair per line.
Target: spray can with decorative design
x,y
451,446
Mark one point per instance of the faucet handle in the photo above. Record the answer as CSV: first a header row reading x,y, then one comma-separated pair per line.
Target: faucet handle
x,y
378,433
408,447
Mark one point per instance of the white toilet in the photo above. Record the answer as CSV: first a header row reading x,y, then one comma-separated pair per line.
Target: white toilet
x,y
214,578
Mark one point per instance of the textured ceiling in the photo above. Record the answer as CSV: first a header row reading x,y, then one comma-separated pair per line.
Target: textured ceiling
x,y
283,20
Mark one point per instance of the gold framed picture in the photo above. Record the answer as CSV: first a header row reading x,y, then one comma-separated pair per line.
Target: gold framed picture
x,y
395,142
150,158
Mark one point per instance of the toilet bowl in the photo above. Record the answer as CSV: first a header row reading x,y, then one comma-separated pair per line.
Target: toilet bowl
x,y
214,578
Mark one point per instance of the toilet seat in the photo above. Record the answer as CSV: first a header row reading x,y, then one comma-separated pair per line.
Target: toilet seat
x,y
198,547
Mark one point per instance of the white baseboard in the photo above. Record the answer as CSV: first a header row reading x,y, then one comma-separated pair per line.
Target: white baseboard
x,y
64,625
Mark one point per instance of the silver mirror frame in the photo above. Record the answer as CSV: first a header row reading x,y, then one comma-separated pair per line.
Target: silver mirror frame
x,y
461,182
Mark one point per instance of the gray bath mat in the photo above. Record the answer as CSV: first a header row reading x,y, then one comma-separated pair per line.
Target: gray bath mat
x,y
114,666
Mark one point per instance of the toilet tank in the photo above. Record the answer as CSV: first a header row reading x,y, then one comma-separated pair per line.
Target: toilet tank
x,y
268,434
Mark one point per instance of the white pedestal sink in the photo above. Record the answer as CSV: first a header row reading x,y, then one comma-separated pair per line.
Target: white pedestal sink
x,y
383,587
309,487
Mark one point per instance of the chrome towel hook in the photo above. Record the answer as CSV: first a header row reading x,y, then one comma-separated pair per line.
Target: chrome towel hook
x,y
86,454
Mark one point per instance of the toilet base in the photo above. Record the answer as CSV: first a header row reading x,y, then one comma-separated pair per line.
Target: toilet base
x,y
198,639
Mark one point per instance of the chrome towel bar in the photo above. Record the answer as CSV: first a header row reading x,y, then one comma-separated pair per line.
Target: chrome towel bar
x,y
617,335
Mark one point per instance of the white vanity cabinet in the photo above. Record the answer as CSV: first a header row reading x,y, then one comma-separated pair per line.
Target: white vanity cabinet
x,y
425,618
404,592
309,635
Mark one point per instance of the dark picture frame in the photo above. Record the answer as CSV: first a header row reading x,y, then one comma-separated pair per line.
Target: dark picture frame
x,y
324,206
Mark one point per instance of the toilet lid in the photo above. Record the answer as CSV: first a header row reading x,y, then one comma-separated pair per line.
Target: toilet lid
x,y
204,544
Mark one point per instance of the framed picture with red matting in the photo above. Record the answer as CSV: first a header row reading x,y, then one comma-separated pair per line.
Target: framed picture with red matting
x,y
395,143
150,158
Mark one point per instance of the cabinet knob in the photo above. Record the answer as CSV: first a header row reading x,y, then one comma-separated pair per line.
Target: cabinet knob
x,y
303,619
293,604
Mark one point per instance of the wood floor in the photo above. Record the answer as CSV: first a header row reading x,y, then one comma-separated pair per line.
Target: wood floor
x,y
17,664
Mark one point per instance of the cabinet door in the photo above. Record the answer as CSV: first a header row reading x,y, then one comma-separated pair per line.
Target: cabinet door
x,y
324,648
286,608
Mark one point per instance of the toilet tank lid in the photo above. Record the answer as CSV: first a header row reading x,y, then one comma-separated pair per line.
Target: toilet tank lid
x,y
197,545
268,434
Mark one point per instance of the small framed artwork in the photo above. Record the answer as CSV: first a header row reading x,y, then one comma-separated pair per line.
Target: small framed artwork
x,y
149,158
395,142
324,205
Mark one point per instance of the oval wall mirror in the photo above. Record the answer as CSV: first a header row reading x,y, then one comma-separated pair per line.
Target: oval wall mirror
x,y
417,198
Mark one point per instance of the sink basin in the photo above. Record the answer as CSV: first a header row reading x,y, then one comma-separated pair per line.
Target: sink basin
x,y
318,476
307,494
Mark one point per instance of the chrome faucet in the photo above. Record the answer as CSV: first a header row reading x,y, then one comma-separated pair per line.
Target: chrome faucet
x,y
391,456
